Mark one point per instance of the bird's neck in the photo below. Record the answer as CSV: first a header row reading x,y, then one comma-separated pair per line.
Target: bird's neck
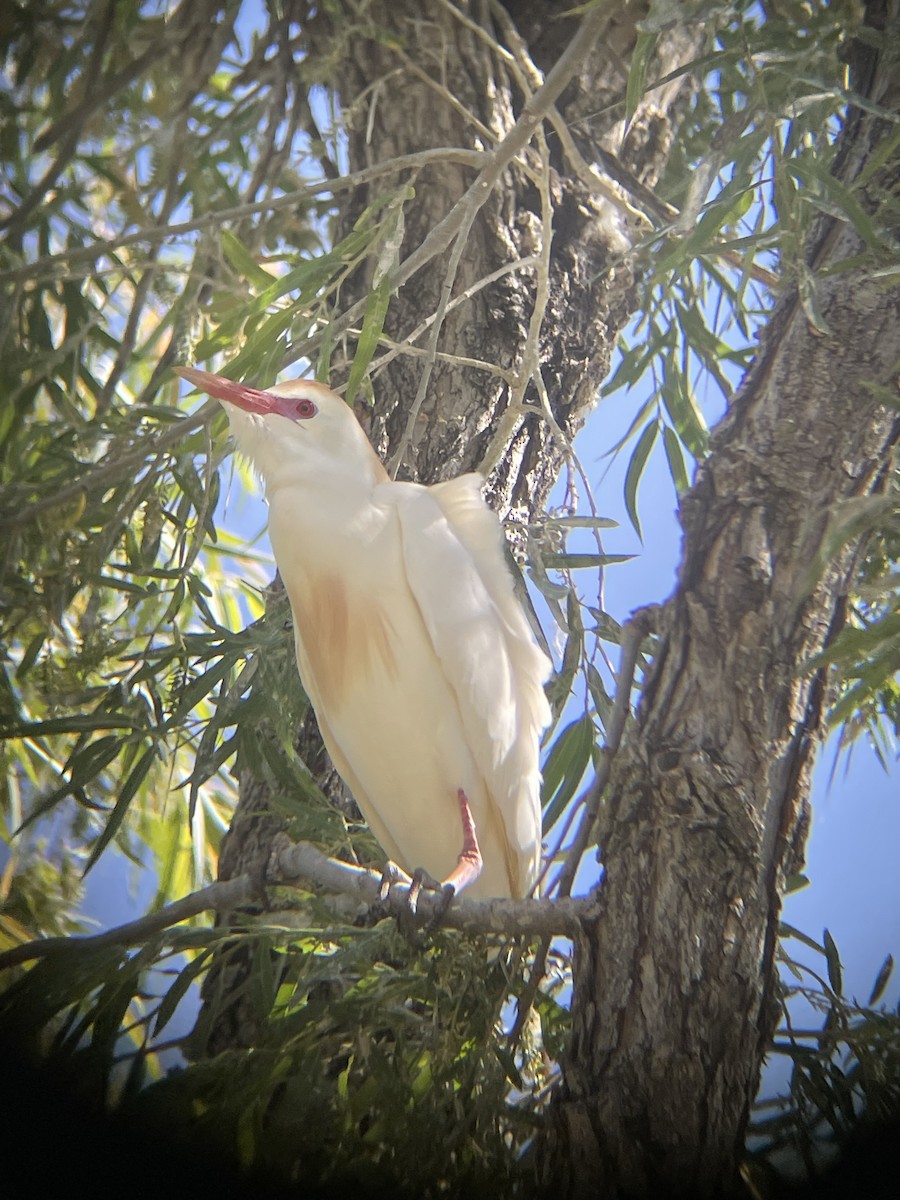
x,y
346,483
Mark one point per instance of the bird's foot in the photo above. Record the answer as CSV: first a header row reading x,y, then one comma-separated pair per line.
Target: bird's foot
x,y
467,869
409,919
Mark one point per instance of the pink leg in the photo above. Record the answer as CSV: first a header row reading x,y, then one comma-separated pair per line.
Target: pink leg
x,y
467,869
469,864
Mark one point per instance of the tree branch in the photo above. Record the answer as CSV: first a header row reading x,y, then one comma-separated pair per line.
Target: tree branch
x,y
300,863
633,634
472,200
290,200
116,467
222,896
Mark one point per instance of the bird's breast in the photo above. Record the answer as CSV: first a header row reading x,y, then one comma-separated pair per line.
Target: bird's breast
x,y
347,634
343,572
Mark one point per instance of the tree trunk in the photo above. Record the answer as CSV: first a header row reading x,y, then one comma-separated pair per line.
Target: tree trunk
x,y
408,83
705,815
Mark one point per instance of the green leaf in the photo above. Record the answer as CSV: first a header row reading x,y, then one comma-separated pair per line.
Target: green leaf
x,y
679,403
843,202
29,655
637,74
560,686
179,990
795,883
191,695
582,522
786,930
881,979
578,562
601,698
210,759
635,472
833,962
76,723
373,324
243,262
809,300
127,793
569,758
90,761
675,459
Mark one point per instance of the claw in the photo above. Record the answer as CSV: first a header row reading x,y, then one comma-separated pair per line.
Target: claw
x,y
448,891
420,879
389,876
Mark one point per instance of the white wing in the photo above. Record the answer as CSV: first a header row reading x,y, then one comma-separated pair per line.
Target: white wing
x,y
453,553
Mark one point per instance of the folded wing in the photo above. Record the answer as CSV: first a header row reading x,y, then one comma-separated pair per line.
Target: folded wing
x,y
453,553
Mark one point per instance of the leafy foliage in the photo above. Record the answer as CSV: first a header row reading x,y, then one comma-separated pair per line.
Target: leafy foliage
x,y
865,654
845,1073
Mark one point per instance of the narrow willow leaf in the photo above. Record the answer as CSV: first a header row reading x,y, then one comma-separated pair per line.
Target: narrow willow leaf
x,y
881,979
806,289
685,416
90,761
637,75
560,686
111,1005
636,470
29,655
199,688
786,930
583,522
675,459
599,695
210,760
76,723
576,562
373,323
843,202
833,962
244,262
179,990
607,628
566,764
126,794
650,405
795,883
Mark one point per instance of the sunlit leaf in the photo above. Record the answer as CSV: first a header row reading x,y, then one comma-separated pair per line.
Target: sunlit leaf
x,y
569,758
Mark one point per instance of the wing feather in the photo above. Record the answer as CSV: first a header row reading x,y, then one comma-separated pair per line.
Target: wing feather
x,y
453,554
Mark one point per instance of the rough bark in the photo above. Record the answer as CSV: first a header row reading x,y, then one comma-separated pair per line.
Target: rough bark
x,y
427,80
410,79
706,810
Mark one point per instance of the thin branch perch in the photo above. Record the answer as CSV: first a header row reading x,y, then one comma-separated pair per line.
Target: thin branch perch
x,y
300,863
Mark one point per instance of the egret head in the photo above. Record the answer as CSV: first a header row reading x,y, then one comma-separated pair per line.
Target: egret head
x,y
290,428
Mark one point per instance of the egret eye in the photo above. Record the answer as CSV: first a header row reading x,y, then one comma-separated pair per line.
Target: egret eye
x,y
305,409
